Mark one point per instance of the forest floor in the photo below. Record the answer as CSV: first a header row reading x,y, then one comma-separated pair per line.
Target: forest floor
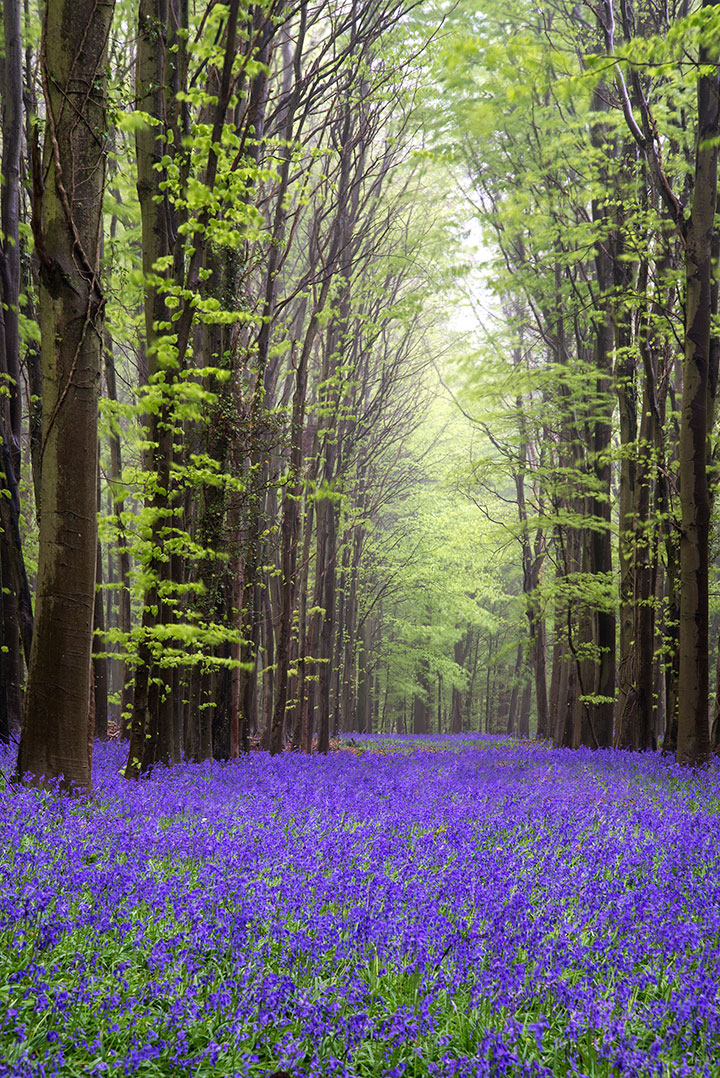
x,y
456,906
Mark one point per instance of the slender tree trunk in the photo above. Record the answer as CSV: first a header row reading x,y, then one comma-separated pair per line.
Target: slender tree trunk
x,y
512,708
10,219
540,677
626,389
715,729
123,553
300,725
4,709
471,687
325,567
635,730
601,565
289,531
460,654
99,660
15,599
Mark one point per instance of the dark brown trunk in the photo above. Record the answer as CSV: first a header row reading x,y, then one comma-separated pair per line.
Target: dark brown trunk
x,y
67,218
4,680
693,740
10,219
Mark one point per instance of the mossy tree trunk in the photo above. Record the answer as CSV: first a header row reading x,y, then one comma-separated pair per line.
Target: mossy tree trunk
x,y
67,225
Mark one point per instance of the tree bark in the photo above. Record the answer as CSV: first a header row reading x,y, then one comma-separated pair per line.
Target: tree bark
x,y
67,226
693,741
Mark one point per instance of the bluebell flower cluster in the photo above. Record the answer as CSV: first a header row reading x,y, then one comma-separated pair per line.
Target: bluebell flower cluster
x,y
456,908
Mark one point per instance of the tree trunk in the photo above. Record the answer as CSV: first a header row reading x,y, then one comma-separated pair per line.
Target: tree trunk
x,y
4,680
325,567
512,707
693,741
540,676
420,702
123,553
100,663
67,225
10,219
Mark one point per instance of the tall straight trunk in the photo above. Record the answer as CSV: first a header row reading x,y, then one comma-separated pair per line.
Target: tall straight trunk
x,y
636,727
601,565
715,727
537,651
567,543
12,653
207,709
4,679
488,683
568,706
341,633
626,390
581,639
191,741
33,366
658,663
348,657
18,602
523,723
153,80
12,600
531,563
325,568
269,662
10,220
300,727
419,711
308,681
123,552
67,224
693,740
236,570
311,655
251,616
420,701
471,688
372,694
558,659
460,654
100,663
363,720
456,711
512,707
601,545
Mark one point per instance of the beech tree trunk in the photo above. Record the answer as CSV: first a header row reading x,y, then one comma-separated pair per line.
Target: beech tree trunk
x,y
10,404
67,225
693,740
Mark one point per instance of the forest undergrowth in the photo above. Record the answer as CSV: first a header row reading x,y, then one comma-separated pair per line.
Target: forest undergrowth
x,y
402,907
